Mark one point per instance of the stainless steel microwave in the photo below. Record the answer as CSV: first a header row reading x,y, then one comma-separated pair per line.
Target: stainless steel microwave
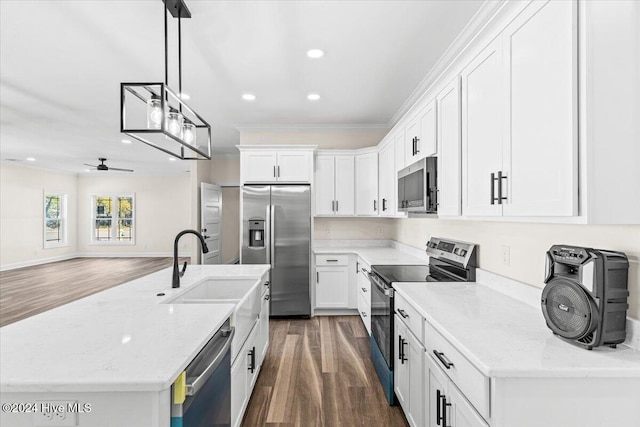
x,y
417,187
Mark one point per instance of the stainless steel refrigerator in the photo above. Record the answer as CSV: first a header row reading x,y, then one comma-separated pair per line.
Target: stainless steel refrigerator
x,y
276,230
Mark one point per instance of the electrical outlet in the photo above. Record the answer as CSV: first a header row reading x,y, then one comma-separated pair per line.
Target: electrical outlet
x,y
506,255
59,413
380,231
328,231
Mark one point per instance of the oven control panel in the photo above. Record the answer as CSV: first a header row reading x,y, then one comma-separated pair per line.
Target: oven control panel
x,y
462,253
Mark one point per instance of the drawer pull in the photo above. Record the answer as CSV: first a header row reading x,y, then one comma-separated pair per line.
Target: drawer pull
x,y
364,290
332,260
403,313
363,314
447,364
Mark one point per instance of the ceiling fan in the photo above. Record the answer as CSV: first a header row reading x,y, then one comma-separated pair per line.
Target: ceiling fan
x,y
103,167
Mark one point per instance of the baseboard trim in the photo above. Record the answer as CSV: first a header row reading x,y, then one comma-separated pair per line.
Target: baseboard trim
x,y
32,263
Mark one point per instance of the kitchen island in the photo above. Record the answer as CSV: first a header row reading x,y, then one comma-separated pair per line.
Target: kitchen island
x,y
119,350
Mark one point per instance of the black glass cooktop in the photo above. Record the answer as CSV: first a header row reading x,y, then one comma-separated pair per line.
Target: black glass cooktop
x,y
401,273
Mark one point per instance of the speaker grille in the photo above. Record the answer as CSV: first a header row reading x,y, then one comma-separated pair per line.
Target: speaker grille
x,y
568,308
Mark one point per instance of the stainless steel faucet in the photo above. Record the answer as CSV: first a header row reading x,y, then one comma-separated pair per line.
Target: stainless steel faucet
x,y
177,274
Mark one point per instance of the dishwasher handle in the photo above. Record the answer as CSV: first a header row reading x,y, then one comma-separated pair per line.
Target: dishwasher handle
x,y
195,386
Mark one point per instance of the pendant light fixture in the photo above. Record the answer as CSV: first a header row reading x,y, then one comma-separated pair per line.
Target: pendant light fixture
x,y
152,113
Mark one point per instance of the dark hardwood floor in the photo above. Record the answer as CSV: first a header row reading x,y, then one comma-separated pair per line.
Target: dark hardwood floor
x,y
318,372
25,292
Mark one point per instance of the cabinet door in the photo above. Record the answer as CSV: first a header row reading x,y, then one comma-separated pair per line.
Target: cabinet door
x,y
426,144
411,137
414,352
435,388
239,391
400,366
367,184
462,412
399,144
294,166
345,185
540,52
385,180
259,166
332,287
449,197
263,340
252,357
325,185
482,110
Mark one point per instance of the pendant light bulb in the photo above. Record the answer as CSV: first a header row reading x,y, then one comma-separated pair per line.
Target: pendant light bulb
x,y
154,113
175,122
189,133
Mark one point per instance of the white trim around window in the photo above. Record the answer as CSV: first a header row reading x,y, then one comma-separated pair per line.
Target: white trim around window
x,y
54,220
112,219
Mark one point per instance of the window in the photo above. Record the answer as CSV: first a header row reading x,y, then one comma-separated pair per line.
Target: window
x,y
55,220
112,219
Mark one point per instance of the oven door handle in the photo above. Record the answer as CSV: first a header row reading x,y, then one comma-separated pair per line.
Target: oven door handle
x,y
387,291
195,386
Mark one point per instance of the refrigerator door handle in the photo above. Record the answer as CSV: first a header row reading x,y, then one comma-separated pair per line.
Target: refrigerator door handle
x,y
272,233
267,235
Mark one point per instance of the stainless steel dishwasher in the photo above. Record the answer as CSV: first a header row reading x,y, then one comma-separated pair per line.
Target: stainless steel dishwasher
x,y
206,390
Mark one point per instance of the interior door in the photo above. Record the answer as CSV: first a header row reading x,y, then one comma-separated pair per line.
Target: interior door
x,y
211,221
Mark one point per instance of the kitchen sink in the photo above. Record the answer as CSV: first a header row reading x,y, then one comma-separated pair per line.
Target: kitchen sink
x,y
245,294
214,291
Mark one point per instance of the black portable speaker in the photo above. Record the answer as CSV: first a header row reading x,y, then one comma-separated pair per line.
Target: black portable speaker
x,y
585,297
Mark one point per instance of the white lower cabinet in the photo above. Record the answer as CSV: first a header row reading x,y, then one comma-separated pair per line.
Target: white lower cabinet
x,y
446,405
364,293
332,287
246,366
408,373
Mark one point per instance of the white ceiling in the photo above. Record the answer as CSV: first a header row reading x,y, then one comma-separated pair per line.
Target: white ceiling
x,y
61,63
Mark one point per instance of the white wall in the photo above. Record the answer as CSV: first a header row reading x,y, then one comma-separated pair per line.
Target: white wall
x,y
324,140
353,228
162,209
22,215
528,244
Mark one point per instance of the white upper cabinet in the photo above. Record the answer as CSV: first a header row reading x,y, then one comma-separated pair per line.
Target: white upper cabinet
x,y
387,177
367,184
325,185
335,185
261,165
420,135
399,143
449,162
482,131
541,117
519,118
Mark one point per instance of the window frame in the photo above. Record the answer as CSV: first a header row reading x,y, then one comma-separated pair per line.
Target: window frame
x,y
63,218
115,219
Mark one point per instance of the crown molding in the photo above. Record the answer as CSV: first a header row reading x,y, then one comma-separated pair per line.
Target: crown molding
x,y
470,32
314,128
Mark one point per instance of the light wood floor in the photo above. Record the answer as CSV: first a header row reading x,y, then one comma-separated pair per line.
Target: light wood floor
x,y
27,291
318,372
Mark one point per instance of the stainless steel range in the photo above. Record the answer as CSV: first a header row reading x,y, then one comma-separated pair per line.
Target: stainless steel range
x,y
449,261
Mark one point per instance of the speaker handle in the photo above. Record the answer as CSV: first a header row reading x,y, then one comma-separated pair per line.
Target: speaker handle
x,y
548,266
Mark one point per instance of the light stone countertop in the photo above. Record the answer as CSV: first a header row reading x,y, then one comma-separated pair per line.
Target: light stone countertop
x,y
504,337
121,339
379,255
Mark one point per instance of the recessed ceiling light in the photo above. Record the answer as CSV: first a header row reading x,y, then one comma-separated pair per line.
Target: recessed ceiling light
x,y
313,97
185,96
87,170
172,159
31,159
126,141
248,97
315,53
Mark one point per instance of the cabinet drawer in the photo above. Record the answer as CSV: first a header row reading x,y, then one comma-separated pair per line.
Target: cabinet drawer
x,y
473,384
409,315
329,259
364,309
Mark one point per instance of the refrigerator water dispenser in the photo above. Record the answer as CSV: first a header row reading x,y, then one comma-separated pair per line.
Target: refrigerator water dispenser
x,y
256,233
